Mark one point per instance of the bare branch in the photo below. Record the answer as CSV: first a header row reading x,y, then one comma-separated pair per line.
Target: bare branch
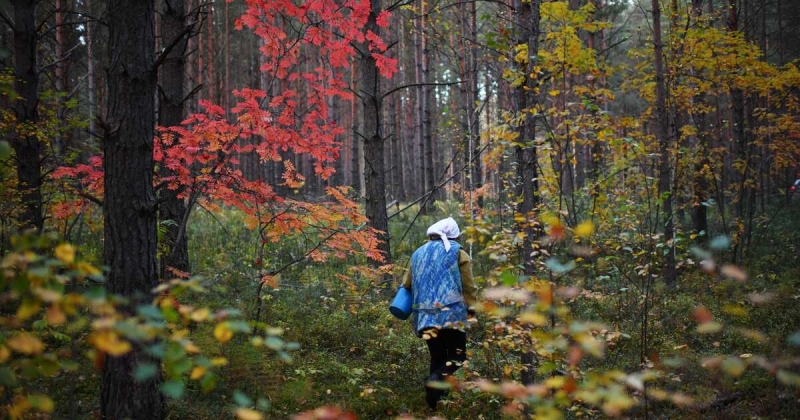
x,y
420,84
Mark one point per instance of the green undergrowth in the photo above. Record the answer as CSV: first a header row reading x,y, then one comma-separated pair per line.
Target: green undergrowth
x,y
353,354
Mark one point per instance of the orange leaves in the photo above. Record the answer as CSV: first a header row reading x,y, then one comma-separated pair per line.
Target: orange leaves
x,y
271,281
292,178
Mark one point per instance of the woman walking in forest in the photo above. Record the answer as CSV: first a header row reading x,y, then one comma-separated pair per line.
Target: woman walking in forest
x,y
443,292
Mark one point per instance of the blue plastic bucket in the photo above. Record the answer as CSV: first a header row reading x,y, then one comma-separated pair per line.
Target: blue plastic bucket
x,y
401,305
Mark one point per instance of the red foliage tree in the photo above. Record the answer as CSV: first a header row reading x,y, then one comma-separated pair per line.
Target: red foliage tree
x,y
202,153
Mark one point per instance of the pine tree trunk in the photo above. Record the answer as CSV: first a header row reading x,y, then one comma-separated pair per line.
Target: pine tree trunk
x,y
90,76
665,168
474,117
173,209
427,121
371,129
528,29
702,162
129,213
28,149
527,179
227,64
420,100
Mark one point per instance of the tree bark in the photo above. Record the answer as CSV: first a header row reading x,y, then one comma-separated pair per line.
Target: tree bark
x,y
371,133
474,117
419,79
663,137
90,76
702,162
528,28
427,104
129,213
173,71
528,16
27,147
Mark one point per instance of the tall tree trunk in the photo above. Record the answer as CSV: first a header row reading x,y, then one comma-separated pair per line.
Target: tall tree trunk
x,y
129,213
464,106
355,140
427,120
700,182
528,21
27,146
741,147
90,76
665,168
173,209
474,117
227,64
419,28
528,17
371,133
210,53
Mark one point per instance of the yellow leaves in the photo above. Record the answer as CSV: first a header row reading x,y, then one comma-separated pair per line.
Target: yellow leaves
x,y
197,373
4,354
109,342
733,366
200,315
248,414
28,308
65,253
191,348
38,402
534,318
617,404
585,229
521,53
513,77
223,333
25,343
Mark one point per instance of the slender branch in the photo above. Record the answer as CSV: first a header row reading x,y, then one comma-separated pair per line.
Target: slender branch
x,y
213,216
429,194
192,93
60,60
78,22
90,197
168,49
304,256
420,84
8,20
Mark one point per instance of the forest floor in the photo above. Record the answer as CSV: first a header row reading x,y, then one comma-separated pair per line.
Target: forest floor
x,y
354,355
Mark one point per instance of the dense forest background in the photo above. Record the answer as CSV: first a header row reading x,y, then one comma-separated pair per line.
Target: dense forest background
x,y
207,205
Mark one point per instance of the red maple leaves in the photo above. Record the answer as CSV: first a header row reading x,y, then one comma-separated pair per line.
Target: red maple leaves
x,y
305,51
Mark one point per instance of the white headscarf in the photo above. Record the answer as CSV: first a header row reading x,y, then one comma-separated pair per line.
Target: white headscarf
x,y
445,229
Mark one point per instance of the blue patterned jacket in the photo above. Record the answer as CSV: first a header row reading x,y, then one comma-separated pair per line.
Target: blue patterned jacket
x,y
437,292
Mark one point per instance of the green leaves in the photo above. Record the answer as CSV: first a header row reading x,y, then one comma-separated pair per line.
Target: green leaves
x,y
173,388
145,371
5,150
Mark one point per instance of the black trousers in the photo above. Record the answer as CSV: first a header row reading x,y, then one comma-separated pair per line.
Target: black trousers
x,y
446,345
